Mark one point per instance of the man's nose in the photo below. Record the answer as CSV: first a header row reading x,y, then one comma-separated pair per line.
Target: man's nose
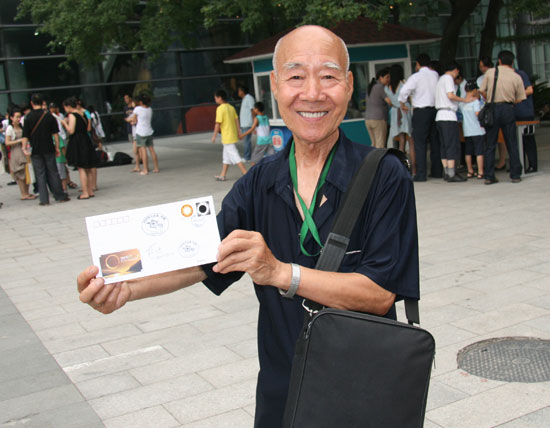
x,y
313,90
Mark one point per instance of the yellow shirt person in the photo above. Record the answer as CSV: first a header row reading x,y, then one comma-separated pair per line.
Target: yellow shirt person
x,y
227,123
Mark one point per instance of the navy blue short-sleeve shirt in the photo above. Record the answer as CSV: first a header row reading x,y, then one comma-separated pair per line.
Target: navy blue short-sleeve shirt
x,y
383,247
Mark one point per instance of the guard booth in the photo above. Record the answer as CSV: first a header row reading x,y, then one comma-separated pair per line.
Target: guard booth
x,y
371,47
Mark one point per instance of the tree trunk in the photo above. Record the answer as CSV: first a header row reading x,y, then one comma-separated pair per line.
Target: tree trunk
x,y
489,32
460,12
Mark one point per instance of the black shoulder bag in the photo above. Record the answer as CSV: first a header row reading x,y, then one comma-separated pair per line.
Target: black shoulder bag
x,y
486,115
352,369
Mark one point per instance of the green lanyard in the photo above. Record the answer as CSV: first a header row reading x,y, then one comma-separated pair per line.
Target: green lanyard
x,y
308,225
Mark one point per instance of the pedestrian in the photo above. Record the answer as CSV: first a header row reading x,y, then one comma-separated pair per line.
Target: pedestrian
x,y
262,215
227,124
131,130
246,119
400,120
61,160
509,91
446,103
377,104
264,145
525,112
39,128
18,154
142,116
474,133
420,87
80,150
98,135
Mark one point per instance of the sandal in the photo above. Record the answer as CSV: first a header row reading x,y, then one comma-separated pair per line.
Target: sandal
x,y
29,198
470,174
219,177
81,198
480,176
72,185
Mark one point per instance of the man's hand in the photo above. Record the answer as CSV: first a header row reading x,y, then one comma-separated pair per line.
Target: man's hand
x,y
404,107
101,297
246,251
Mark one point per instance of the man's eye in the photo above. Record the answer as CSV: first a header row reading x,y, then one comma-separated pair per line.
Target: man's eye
x,y
295,77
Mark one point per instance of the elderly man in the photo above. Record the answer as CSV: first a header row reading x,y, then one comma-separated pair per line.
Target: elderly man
x,y
261,219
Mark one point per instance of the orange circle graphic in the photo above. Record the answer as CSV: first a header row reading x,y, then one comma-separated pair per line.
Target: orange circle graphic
x,y
187,210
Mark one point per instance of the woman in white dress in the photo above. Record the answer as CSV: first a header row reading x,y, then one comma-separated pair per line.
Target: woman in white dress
x,y
400,121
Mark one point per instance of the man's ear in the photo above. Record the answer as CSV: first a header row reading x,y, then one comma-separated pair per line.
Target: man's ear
x,y
350,83
273,82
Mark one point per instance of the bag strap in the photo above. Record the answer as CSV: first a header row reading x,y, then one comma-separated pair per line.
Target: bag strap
x,y
494,85
338,239
38,123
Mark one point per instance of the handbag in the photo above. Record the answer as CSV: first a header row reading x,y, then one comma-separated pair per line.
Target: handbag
x,y
486,115
352,369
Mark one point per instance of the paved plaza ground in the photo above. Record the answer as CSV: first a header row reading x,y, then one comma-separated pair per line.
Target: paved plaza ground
x,y
190,360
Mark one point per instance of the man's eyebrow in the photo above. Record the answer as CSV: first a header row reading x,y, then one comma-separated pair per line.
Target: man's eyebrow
x,y
332,65
292,65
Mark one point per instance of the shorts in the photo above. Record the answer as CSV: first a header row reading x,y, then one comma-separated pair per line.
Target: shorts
x,y
260,150
474,145
144,141
449,138
62,170
231,155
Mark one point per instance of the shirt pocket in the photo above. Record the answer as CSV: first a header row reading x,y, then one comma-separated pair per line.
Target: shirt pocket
x,y
350,261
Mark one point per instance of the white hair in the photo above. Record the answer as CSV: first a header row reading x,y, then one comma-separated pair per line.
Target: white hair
x,y
278,45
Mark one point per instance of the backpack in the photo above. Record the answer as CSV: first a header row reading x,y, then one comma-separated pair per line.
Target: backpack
x,y
122,158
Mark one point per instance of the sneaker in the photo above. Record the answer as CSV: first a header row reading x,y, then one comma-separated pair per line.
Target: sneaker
x,y
12,183
516,180
491,181
457,178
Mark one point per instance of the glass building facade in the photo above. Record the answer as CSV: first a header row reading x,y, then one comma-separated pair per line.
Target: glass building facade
x,y
181,81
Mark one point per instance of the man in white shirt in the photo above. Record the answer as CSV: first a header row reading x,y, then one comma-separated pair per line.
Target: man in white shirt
x,y
245,117
420,87
446,103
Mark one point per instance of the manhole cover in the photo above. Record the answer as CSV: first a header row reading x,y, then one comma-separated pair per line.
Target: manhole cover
x,y
508,359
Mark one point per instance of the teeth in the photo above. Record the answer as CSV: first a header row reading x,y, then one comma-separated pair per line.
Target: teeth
x,y
312,115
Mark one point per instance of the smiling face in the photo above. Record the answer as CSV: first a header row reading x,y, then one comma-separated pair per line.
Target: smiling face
x,y
311,84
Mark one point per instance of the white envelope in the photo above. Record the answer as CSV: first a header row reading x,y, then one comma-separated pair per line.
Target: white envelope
x,y
147,241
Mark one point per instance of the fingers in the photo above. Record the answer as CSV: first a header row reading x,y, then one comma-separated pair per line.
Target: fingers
x,y
86,276
88,293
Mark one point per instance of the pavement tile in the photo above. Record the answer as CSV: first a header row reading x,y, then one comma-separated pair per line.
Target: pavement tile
x,y
82,355
156,417
91,338
236,418
441,394
536,419
142,397
500,318
466,382
117,363
195,360
230,374
16,408
493,407
37,382
106,385
219,401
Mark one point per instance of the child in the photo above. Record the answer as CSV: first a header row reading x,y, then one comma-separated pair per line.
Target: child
x,y
227,123
473,132
264,145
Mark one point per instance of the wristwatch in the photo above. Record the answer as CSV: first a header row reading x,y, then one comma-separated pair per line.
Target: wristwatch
x,y
294,283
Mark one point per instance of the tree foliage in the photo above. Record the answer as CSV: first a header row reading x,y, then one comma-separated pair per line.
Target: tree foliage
x,y
85,28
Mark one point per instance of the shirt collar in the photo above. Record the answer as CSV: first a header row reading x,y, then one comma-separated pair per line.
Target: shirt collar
x,y
340,172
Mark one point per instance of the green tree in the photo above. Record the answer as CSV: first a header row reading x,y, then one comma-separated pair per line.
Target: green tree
x,y
85,28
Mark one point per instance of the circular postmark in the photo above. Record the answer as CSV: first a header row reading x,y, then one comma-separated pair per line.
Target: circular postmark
x,y
188,249
155,224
